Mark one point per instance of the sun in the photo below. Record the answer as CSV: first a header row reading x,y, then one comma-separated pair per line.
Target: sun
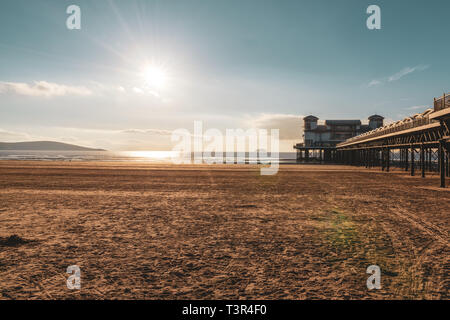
x,y
154,76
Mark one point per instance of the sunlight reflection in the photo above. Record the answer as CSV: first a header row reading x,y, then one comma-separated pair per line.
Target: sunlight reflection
x,y
153,155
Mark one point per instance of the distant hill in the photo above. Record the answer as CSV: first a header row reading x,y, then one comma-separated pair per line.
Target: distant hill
x,y
43,146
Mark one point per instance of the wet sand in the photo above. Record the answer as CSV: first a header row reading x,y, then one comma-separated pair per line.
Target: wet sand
x,y
148,231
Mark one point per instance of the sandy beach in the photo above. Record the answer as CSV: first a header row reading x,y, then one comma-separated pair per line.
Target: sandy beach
x,y
160,231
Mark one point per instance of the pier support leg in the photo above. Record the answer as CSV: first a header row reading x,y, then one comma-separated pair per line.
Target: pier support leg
x,y
413,167
406,159
388,159
430,167
402,159
442,162
366,157
447,155
422,160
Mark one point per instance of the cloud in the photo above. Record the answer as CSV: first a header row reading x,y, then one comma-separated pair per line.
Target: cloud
x,y
148,131
417,108
290,125
49,89
406,71
42,89
374,83
138,90
6,135
16,136
397,76
141,91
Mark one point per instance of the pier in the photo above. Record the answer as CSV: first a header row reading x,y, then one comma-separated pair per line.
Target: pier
x,y
417,144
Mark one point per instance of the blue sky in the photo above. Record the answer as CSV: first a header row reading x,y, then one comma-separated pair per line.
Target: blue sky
x,y
231,64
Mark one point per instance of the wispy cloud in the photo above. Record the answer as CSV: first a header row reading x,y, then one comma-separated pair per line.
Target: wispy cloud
x,y
148,131
138,90
143,91
374,83
417,108
42,89
406,71
51,89
6,135
397,76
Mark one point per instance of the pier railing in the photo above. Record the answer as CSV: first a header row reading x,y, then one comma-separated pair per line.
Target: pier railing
x,y
442,102
418,120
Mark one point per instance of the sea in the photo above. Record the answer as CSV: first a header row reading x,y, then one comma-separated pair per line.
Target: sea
x,y
138,156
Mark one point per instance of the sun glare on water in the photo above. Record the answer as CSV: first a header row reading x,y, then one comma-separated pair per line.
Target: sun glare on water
x,y
152,155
